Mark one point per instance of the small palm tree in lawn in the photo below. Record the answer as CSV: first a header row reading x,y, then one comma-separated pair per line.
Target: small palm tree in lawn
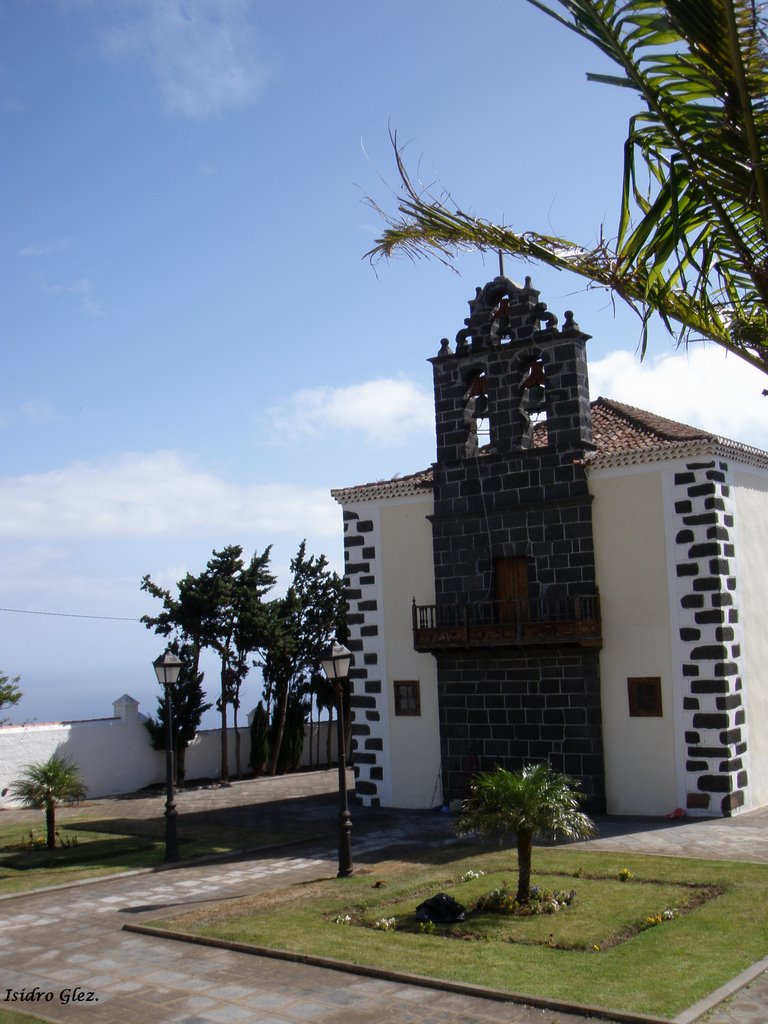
x,y
46,785
531,801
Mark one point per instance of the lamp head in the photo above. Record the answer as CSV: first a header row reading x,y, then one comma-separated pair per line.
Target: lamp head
x,y
167,668
336,660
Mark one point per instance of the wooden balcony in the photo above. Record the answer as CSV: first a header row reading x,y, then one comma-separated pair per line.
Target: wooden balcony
x,y
566,620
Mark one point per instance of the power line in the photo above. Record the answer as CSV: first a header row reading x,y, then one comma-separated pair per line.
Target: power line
x,y
71,615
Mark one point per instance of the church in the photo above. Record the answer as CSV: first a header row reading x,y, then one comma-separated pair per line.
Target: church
x,y
571,581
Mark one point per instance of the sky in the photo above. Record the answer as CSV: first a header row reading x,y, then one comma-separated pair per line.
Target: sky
x,y
195,349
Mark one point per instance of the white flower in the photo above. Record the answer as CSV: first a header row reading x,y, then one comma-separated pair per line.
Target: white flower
x,y
385,924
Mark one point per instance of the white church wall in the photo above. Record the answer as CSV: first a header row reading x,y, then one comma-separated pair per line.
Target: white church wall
x,y
407,572
631,564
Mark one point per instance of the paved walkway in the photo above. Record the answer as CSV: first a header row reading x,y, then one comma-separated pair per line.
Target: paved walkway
x,y
69,944
744,837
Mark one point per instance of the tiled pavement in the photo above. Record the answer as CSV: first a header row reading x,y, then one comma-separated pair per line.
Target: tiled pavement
x,y
69,943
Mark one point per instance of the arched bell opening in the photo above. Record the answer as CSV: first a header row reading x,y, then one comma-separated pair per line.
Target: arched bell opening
x,y
476,412
532,397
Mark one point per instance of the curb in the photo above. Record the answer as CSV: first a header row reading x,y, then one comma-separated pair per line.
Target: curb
x,y
193,862
457,987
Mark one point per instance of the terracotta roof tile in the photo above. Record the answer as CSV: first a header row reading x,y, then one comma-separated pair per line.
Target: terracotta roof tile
x,y
399,485
617,427
618,430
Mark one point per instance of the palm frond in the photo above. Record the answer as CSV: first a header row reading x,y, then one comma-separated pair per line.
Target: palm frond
x,y
692,235
50,782
533,800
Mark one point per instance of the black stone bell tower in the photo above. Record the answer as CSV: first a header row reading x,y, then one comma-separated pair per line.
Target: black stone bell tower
x,y
515,627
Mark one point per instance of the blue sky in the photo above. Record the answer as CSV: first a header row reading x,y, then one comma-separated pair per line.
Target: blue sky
x,y
194,350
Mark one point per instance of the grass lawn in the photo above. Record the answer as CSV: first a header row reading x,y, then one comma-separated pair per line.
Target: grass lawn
x,y
109,845
599,950
12,1017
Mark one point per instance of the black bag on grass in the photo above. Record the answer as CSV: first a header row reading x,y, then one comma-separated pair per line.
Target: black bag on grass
x,y
440,909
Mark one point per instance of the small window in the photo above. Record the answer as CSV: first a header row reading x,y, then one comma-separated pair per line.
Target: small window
x,y
644,697
407,699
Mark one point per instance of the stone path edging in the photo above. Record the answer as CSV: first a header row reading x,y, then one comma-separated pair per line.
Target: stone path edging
x,y
213,858
444,985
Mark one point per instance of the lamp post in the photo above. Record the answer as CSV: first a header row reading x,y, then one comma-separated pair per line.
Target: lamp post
x,y
336,660
167,668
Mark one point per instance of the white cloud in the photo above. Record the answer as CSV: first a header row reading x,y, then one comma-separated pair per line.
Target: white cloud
x,y
79,287
34,411
384,412
37,249
703,387
200,54
31,563
38,411
92,308
153,495
83,287
52,578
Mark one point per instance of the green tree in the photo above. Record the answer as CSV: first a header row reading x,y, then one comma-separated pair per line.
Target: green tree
x,y
692,237
10,694
303,623
186,618
219,581
259,739
188,705
46,785
252,624
191,618
221,609
292,743
531,801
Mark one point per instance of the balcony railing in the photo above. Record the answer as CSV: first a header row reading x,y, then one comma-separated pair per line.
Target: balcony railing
x,y
564,620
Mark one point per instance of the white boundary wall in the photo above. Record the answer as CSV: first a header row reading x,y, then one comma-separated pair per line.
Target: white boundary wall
x,y
115,756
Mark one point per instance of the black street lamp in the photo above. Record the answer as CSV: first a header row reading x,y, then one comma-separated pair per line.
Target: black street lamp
x,y
167,668
336,660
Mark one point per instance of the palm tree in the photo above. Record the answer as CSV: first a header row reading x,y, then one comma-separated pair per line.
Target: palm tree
x,y
692,236
46,785
528,802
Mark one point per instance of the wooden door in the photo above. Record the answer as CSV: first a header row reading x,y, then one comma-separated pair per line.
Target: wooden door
x,y
511,576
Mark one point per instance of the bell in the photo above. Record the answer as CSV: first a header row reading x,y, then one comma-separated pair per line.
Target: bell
x,y
536,398
481,407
